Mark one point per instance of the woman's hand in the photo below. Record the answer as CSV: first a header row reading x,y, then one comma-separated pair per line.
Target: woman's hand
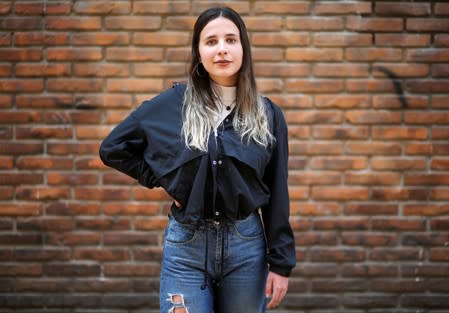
x,y
276,288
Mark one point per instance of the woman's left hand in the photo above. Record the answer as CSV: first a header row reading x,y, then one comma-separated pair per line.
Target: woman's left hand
x,y
276,289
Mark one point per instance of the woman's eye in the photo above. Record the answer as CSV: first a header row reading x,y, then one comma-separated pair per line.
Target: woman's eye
x,y
231,40
210,42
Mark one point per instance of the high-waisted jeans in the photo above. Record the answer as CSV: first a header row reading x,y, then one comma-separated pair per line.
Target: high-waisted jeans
x,y
236,267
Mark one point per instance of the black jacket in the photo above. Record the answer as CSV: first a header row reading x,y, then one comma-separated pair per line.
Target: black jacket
x,y
230,181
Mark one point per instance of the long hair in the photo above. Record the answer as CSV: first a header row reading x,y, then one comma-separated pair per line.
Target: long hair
x,y
250,119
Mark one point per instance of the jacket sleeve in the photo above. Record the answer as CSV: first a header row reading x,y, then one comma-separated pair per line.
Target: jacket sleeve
x,y
280,239
123,149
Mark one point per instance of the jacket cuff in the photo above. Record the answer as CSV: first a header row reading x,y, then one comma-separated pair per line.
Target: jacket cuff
x,y
283,271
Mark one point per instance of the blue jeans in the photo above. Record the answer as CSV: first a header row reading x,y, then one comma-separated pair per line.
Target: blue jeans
x,y
236,267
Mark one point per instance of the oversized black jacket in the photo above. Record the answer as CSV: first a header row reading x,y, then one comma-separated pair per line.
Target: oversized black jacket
x,y
230,181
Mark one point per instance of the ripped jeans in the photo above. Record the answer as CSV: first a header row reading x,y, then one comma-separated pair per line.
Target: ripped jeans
x,y
236,267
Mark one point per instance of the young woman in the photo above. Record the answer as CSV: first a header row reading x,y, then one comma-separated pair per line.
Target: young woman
x,y
220,150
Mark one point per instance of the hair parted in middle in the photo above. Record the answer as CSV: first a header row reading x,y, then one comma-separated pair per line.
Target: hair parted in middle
x,y
250,118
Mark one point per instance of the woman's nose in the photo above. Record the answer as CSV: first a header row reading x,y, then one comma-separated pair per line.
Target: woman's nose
x,y
222,48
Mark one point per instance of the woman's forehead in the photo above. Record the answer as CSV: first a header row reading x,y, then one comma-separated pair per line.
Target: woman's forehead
x,y
220,26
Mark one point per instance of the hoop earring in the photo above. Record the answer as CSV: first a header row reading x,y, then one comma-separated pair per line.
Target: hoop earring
x,y
197,70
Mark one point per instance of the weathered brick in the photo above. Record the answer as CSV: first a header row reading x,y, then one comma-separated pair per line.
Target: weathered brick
x,y
341,101
403,9
333,39
334,8
101,39
282,7
102,7
427,25
340,193
399,193
280,39
399,164
402,40
374,24
315,86
73,23
314,23
161,7
373,54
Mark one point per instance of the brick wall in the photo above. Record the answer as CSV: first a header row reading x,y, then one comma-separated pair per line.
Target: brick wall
x,y
365,89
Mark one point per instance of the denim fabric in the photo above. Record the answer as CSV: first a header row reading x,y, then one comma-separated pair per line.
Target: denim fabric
x,y
236,263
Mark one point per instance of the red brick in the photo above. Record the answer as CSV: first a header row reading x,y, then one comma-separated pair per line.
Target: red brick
x,y
182,23
20,179
427,86
340,193
152,223
439,164
333,8
100,39
333,255
340,70
15,270
373,117
59,224
394,102
17,117
29,8
402,40
373,148
424,118
312,117
71,270
439,254
102,7
41,285
36,70
104,224
161,7
74,239
441,9
64,148
370,209
395,254
376,178
314,23
338,163
333,39
370,85
71,179
400,164
161,70
74,85
256,23
6,162
73,23
439,193
321,132
440,70
392,194
130,270
105,255
399,133
109,194
21,23
40,132
280,39
40,38
16,148
342,101
5,70
67,208
130,238
261,54
440,102
398,224
373,54
114,208
17,209
20,55
74,54
5,8
134,85
281,70
43,101
403,9
427,25
314,86
441,40
426,179
401,70
440,133
316,149
243,7
428,55
315,209
42,193
374,24
134,54
282,7
426,209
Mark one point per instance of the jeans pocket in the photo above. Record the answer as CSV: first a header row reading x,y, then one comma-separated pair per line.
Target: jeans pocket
x,y
178,233
249,228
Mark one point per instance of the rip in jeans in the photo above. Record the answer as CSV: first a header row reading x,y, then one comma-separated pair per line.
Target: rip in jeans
x,y
178,303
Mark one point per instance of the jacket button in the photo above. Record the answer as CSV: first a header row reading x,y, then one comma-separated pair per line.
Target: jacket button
x,y
214,162
220,162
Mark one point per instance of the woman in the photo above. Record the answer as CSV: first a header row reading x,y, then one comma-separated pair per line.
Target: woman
x,y
220,150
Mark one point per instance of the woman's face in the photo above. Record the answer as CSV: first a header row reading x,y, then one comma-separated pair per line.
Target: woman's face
x,y
221,51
